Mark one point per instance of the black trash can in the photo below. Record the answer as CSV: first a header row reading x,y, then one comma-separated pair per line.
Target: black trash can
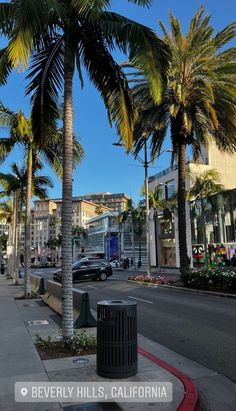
x,y
117,339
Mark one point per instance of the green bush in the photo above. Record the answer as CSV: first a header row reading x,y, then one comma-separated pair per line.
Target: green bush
x,y
210,278
81,342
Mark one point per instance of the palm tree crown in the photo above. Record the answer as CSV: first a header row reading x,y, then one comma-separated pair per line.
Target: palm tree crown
x,y
204,185
92,32
199,101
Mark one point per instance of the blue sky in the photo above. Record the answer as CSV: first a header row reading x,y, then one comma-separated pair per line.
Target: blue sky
x,y
105,167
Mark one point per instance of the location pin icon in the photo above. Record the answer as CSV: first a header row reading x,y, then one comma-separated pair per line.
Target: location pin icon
x,y
24,391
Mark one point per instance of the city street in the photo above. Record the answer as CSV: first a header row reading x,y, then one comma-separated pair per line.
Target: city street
x,y
202,328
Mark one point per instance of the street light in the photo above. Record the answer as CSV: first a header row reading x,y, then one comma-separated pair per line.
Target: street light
x,y
145,163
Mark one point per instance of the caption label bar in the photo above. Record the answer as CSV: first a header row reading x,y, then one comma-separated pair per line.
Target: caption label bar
x,y
93,391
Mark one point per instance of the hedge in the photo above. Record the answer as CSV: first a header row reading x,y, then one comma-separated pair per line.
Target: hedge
x,y
211,278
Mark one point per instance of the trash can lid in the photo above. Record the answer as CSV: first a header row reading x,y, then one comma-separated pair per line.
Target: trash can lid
x,y
116,303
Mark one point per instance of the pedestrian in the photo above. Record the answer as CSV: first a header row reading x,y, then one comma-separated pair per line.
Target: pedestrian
x,y
127,261
2,267
22,260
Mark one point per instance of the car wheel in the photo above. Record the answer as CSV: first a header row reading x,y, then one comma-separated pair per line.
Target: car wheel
x,y
103,276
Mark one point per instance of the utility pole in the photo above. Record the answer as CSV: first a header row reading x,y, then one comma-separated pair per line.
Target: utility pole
x,y
145,162
147,211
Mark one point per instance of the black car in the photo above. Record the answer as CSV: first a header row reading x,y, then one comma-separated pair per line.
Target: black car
x,y
87,270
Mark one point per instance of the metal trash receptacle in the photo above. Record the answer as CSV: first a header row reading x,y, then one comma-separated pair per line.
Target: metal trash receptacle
x,y
117,339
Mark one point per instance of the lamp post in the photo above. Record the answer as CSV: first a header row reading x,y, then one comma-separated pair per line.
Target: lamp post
x,y
145,162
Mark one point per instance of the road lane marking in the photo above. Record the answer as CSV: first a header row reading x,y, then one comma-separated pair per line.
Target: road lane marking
x,y
91,286
140,299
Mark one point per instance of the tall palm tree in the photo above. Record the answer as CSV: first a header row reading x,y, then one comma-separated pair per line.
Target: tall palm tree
x,y
66,35
15,184
21,132
6,215
204,185
199,100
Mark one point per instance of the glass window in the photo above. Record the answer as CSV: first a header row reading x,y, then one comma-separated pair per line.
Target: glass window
x,y
94,264
167,252
83,265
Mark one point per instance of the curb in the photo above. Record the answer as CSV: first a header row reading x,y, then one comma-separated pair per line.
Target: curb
x,y
190,401
182,289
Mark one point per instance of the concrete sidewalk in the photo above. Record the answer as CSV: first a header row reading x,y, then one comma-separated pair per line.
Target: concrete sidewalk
x,y
19,361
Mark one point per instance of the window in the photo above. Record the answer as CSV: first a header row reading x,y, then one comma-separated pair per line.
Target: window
x,y
93,264
83,265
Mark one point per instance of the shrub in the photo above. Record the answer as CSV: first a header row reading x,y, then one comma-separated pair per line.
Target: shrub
x,y
81,342
154,280
210,278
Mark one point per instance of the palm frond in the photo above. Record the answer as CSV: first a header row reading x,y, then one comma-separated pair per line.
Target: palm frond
x,y
225,36
145,50
6,146
6,18
31,22
110,81
85,8
5,66
46,77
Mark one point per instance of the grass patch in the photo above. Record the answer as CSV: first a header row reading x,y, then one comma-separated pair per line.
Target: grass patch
x,y
82,344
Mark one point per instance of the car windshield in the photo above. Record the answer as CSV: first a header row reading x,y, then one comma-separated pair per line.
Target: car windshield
x,y
74,265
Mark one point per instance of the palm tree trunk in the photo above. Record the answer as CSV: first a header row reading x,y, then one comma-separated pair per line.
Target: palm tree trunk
x,y
147,213
133,240
183,255
27,223
16,241
20,205
67,283
204,231
13,239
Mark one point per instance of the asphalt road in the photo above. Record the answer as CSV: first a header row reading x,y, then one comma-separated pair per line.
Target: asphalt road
x,y
202,328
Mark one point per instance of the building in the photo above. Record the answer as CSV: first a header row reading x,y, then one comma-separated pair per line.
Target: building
x,y
164,234
46,221
116,202
111,240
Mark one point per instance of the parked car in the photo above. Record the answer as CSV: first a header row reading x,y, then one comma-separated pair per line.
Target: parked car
x,y
86,269
115,263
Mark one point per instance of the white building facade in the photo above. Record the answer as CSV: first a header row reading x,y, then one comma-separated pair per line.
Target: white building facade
x,y
164,234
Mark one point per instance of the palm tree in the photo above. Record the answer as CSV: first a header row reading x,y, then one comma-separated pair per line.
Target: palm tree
x,y
6,215
198,103
15,184
66,35
21,132
204,185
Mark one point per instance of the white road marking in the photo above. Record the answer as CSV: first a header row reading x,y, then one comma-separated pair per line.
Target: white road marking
x,y
91,286
140,299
